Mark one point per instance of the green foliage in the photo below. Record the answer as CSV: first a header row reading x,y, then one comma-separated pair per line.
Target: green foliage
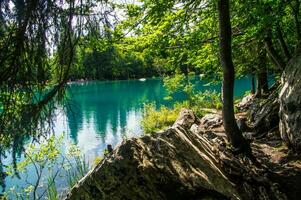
x,y
155,120
47,164
207,99
97,160
174,84
200,103
52,193
78,166
179,83
111,61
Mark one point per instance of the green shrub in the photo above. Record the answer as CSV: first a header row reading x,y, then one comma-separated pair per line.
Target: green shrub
x,y
174,84
200,103
207,99
155,120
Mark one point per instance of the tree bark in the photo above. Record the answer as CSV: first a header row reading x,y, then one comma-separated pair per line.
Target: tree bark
x,y
252,84
296,10
231,128
262,75
283,43
276,59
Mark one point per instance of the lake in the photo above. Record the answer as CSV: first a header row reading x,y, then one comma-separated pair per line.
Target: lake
x,y
106,112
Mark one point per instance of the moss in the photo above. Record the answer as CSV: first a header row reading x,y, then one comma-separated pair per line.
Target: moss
x,y
97,160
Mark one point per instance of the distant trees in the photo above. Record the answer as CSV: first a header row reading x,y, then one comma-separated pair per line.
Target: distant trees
x,y
110,63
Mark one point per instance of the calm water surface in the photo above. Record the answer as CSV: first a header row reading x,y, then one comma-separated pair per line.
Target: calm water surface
x,y
107,112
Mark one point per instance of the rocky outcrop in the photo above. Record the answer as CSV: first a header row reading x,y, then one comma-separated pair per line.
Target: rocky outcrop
x,y
186,119
210,121
290,103
264,114
246,102
176,164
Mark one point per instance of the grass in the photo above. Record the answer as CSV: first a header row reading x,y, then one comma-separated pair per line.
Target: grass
x,y
155,120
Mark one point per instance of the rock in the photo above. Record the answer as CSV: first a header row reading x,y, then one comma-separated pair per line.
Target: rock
x,y
290,103
170,166
242,125
109,148
175,164
211,121
264,114
245,102
186,118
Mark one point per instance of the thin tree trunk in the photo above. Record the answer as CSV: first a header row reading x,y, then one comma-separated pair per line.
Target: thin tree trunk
x,y
262,75
231,128
276,59
297,27
283,43
252,84
296,10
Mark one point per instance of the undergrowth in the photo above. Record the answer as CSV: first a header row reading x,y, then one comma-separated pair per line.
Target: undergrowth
x,y
159,118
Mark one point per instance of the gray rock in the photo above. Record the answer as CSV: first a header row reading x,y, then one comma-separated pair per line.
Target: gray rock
x,y
176,164
185,119
290,103
245,102
211,121
264,114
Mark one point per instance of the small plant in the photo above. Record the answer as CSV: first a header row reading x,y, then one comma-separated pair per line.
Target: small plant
x,y
77,166
48,164
155,120
52,193
96,161
207,99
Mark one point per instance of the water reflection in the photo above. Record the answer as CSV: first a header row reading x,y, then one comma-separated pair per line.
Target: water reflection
x,y
104,113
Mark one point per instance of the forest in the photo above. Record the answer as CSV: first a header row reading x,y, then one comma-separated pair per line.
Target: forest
x,y
158,81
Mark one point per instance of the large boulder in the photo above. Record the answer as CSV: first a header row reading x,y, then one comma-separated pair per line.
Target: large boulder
x,y
175,164
290,103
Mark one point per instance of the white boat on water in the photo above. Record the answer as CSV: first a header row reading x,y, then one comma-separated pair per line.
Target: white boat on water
x,y
142,79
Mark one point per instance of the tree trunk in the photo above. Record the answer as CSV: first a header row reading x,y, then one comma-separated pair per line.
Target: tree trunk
x,y
298,27
231,128
276,59
262,75
295,10
252,84
283,43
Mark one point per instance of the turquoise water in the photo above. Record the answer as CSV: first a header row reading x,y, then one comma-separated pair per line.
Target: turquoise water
x,y
107,112
102,113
